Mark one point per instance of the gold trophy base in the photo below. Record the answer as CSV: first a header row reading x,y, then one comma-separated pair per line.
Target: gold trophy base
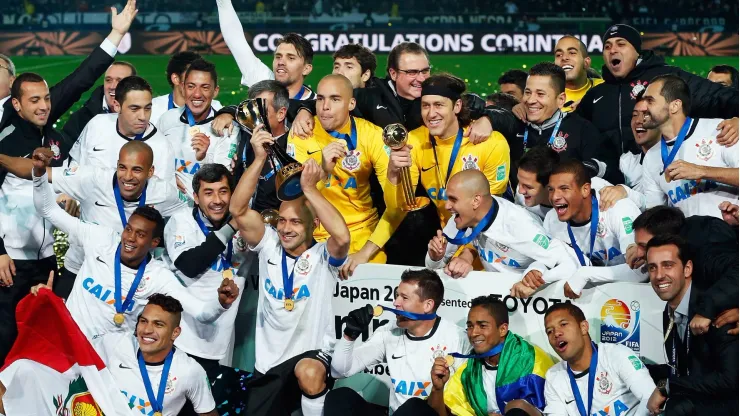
x,y
288,182
420,202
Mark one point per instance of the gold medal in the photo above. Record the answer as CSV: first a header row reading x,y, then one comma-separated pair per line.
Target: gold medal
x,y
118,319
289,305
667,176
193,131
377,311
157,413
450,359
228,273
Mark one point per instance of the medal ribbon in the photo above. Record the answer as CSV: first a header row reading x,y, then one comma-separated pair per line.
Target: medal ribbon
x,y
674,354
453,155
170,102
119,200
460,240
288,278
591,377
490,353
552,136
225,259
156,402
120,307
411,315
594,228
668,158
189,114
300,93
350,138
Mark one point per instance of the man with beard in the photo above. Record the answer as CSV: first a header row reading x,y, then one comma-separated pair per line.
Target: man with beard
x,y
688,169
571,55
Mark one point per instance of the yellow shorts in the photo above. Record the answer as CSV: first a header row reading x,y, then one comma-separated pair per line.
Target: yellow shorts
x,y
359,234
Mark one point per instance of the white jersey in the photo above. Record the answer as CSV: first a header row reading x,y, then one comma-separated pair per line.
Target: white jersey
x,y
409,358
693,197
161,105
631,166
283,334
513,242
208,341
622,385
186,379
93,188
101,141
174,126
92,300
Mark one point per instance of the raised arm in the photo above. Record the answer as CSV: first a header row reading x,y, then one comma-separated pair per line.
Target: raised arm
x,y
253,70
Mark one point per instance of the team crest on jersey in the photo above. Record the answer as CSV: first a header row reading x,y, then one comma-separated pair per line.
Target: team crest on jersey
x,y
70,171
302,265
470,162
351,162
560,143
704,150
637,88
143,284
620,324
170,387
501,247
438,351
604,385
241,245
179,241
54,146
601,228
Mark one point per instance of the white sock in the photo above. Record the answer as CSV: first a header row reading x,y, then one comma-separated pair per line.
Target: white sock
x,y
313,407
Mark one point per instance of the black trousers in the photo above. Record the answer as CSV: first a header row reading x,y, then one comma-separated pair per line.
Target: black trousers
x,y
345,401
689,406
28,273
213,368
409,244
64,282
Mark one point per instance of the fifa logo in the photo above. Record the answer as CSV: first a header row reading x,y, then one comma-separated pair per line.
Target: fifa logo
x,y
620,324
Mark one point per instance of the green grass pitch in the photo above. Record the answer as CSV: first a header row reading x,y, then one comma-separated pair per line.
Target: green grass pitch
x,y
479,71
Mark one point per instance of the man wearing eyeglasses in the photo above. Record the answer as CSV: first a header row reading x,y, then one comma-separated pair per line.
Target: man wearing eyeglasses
x,y
7,76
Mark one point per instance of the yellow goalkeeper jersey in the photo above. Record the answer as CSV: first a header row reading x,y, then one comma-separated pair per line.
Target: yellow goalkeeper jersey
x,y
348,185
432,158
577,95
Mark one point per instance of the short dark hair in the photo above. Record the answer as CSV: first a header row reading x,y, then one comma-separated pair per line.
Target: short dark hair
x,y
660,220
726,69
126,64
128,84
151,214
549,69
540,160
168,304
404,47
514,76
212,173
429,284
581,46
302,46
281,96
454,84
203,66
571,308
363,55
575,168
684,254
495,307
179,63
675,88
16,90
502,100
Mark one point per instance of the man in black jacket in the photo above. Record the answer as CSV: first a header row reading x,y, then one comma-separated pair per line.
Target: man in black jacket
x,y
100,101
27,123
701,377
627,71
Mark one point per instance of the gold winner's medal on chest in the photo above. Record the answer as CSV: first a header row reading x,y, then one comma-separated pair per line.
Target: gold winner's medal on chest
x,y
118,319
377,311
193,131
667,176
450,359
228,274
157,413
289,305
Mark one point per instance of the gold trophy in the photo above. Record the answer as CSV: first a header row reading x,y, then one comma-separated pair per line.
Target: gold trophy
x,y
251,114
395,136
270,216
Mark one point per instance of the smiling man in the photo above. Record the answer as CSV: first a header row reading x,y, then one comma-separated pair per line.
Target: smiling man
x,y
571,55
355,62
591,379
533,175
188,128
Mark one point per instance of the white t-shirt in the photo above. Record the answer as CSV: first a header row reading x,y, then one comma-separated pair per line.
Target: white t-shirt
x,y
174,126
101,141
93,187
186,379
692,197
409,359
489,386
211,340
282,334
622,385
161,105
613,235
512,243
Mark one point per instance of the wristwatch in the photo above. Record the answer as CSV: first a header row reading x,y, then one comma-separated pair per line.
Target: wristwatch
x,y
663,387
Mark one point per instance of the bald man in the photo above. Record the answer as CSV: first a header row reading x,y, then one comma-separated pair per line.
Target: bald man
x,y
348,149
505,236
104,194
294,336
